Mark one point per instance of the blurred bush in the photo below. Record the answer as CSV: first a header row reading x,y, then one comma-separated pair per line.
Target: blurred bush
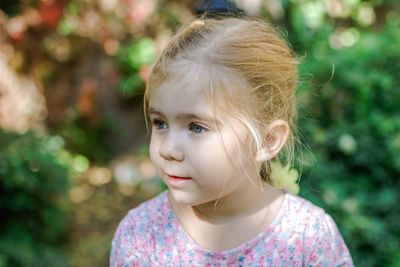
x,y
350,119
135,60
33,203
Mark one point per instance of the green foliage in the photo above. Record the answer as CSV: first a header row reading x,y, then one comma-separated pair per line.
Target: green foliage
x,y
137,54
352,95
33,203
133,57
84,136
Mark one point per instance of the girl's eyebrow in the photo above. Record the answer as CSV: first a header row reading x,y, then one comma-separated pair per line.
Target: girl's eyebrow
x,y
189,115
151,110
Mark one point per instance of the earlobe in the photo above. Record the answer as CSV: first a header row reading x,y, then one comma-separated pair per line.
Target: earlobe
x,y
277,135
263,155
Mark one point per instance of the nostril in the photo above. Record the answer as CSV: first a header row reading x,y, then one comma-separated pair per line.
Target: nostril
x,y
171,150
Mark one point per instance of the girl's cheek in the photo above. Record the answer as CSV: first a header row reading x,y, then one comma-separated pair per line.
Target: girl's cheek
x,y
154,147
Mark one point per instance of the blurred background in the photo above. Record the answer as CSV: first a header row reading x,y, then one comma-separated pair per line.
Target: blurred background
x,y
73,143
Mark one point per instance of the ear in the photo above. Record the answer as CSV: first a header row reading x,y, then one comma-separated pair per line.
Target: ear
x,y
277,135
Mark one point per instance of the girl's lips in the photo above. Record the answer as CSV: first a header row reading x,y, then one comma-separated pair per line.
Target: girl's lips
x,y
177,180
178,177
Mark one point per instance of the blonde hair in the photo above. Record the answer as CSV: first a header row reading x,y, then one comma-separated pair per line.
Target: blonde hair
x,y
247,55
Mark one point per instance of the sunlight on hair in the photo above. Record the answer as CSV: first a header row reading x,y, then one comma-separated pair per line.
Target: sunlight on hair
x,y
285,177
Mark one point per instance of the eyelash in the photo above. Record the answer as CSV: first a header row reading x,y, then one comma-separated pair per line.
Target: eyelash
x,y
202,129
157,125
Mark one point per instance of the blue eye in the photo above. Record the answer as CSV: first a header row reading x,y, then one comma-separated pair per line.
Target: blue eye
x,y
159,124
198,129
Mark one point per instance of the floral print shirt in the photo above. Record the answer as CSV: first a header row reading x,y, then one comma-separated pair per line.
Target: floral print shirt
x,y
302,235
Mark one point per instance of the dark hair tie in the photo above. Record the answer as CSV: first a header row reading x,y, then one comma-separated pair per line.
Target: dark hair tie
x,y
218,7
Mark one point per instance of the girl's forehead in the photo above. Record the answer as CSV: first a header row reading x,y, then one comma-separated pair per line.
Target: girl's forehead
x,y
182,78
173,91
190,74
213,81
175,99
177,96
221,90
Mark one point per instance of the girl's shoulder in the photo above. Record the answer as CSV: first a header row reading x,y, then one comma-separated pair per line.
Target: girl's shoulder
x,y
302,214
302,207
144,219
148,213
320,237
136,232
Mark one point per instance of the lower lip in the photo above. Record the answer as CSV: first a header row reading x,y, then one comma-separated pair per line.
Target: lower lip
x,y
175,180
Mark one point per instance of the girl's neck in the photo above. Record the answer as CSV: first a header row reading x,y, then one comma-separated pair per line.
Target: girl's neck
x,y
231,207
212,228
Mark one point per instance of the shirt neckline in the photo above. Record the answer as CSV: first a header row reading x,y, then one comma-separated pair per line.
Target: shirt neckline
x,y
226,253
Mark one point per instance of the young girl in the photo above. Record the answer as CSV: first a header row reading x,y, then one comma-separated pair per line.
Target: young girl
x,y
221,102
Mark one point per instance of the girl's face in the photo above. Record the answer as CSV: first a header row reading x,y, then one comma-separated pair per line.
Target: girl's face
x,y
200,150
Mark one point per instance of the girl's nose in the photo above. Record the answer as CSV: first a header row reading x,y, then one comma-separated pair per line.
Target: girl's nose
x,y
170,149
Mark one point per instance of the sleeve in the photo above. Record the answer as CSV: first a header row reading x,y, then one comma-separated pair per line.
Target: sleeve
x,y
325,245
128,247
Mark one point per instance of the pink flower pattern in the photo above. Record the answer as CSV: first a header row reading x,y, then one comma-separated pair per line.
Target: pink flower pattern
x,y
302,235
